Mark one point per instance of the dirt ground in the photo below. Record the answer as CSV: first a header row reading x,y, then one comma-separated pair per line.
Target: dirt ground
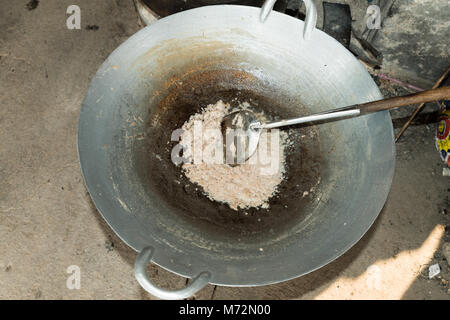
x,y
48,222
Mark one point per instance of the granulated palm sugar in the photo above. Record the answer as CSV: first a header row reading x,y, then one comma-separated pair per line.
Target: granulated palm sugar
x,y
246,185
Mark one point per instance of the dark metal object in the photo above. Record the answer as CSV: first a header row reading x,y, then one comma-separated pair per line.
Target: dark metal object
x,y
337,22
293,9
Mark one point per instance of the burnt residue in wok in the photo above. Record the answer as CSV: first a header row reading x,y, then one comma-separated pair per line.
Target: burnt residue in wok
x,y
304,159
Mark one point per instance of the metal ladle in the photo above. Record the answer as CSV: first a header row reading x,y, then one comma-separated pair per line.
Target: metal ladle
x,y
245,126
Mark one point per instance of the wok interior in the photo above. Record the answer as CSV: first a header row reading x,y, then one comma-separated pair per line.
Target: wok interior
x,y
186,77
187,200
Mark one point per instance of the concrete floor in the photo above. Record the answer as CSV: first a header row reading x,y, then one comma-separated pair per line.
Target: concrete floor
x,y
48,222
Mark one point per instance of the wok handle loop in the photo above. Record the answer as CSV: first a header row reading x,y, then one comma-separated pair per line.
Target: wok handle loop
x,y
147,16
143,258
310,19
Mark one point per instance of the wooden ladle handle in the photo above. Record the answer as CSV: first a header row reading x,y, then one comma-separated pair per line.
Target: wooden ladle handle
x,y
442,93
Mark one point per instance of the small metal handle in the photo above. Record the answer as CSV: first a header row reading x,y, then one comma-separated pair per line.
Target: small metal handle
x,y
147,16
310,19
143,258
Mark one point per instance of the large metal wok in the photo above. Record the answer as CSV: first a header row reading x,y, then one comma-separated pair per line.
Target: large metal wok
x,y
338,175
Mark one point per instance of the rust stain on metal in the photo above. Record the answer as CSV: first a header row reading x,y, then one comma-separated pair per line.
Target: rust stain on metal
x,y
176,49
